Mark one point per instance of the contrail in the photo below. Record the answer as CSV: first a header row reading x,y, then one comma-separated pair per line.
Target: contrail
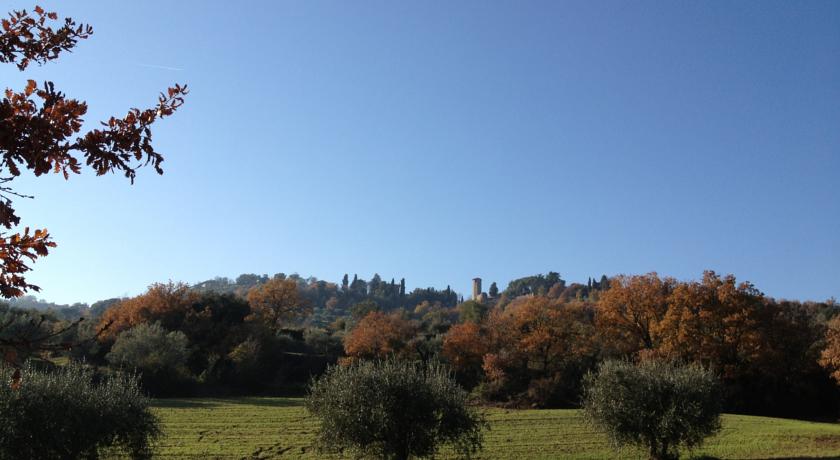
x,y
154,66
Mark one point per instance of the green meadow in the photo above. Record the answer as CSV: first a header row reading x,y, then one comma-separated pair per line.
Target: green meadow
x,y
264,428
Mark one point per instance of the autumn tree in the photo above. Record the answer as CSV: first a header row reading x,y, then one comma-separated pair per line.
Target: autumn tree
x,y
277,302
464,347
830,356
214,323
165,303
629,315
40,131
716,321
539,345
379,335
545,331
765,351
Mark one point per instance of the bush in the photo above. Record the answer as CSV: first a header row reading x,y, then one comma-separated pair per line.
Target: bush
x,y
160,357
322,343
247,366
393,410
659,405
67,414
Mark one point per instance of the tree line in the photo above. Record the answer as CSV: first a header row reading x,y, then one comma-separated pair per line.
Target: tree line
x,y
529,344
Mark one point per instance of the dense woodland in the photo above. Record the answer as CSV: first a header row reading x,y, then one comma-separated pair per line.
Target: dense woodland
x,y
528,345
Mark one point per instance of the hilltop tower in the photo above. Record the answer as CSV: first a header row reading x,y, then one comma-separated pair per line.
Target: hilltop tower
x,y
476,288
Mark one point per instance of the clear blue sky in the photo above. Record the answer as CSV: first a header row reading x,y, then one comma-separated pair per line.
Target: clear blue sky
x,y
445,140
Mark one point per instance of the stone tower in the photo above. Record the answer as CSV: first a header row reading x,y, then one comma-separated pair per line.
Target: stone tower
x,y
476,288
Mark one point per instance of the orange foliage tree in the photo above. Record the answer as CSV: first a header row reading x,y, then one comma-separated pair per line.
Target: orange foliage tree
x,y
630,314
464,347
276,302
40,132
716,321
539,344
538,334
379,335
166,303
830,356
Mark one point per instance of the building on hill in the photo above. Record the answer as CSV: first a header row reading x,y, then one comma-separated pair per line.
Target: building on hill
x,y
481,297
476,291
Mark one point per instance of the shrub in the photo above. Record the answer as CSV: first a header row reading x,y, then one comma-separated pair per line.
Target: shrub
x,y
659,405
247,367
393,410
67,414
322,343
160,357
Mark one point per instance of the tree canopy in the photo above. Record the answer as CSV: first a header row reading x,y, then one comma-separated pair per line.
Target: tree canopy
x,y
393,410
41,131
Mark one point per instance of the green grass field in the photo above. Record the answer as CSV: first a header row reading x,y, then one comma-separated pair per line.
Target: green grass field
x,y
280,428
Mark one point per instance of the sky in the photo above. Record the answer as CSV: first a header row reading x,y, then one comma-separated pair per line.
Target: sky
x,y
441,141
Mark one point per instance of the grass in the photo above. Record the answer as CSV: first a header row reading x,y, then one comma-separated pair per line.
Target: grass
x,y
280,428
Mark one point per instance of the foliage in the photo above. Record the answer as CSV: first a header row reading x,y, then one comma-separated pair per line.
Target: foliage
x,y
464,348
830,357
166,303
37,126
631,312
246,362
69,414
160,356
537,284
327,301
214,324
31,334
471,311
531,350
379,335
394,410
534,341
656,404
98,308
276,302
715,320
323,343
493,291
213,321
363,308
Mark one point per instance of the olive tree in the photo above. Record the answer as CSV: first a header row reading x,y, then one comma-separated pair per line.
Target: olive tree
x,y
69,414
659,405
393,410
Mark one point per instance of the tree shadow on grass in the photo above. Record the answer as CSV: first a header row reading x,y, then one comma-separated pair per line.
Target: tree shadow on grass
x,y
207,403
264,401
181,403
